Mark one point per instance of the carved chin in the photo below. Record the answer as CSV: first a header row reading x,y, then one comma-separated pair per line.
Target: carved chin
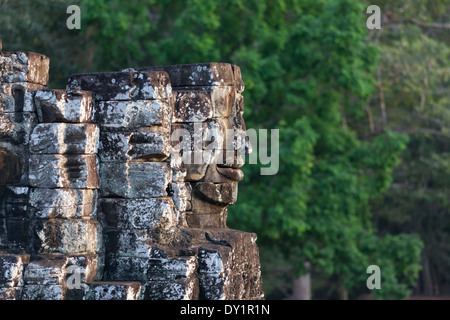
x,y
221,194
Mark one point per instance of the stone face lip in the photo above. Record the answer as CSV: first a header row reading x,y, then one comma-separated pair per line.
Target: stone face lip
x,y
200,74
123,85
63,171
62,106
131,114
134,179
126,146
24,67
64,138
62,203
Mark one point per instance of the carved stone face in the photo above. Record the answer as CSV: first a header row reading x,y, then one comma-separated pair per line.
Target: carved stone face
x,y
225,137
209,129
215,180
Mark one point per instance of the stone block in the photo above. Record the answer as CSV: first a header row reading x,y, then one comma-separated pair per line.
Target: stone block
x,y
132,114
64,138
62,106
182,196
13,202
184,289
178,174
76,293
42,292
24,67
126,146
66,236
205,221
14,233
203,206
239,84
218,193
134,179
11,293
190,136
45,270
123,85
239,103
16,127
89,267
201,74
214,258
11,269
244,249
166,269
62,203
145,214
192,106
114,291
52,269
211,286
124,268
63,171
18,96
222,100
129,243
252,282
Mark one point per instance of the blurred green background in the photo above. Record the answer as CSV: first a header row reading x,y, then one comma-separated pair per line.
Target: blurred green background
x,y
364,120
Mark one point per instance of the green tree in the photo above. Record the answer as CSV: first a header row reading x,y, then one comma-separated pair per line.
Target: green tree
x,y
309,71
412,98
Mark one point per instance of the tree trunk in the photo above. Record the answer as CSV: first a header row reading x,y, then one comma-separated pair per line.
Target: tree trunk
x,y
302,286
427,281
342,291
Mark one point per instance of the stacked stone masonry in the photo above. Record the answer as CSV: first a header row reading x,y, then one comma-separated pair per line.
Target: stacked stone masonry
x,y
95,202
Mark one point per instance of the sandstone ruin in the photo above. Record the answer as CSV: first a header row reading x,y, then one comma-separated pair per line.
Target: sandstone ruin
x,y
90,185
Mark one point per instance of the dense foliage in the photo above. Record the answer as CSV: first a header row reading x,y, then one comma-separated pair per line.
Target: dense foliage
x,y
362,117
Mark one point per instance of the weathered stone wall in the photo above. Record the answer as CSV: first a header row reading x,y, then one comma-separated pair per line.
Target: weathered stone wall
x,y
90,185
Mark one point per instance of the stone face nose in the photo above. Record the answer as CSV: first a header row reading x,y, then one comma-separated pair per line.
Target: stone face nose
x,y
94,203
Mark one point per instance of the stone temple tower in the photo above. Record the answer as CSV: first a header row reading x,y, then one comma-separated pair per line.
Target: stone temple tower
x,y
97,199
